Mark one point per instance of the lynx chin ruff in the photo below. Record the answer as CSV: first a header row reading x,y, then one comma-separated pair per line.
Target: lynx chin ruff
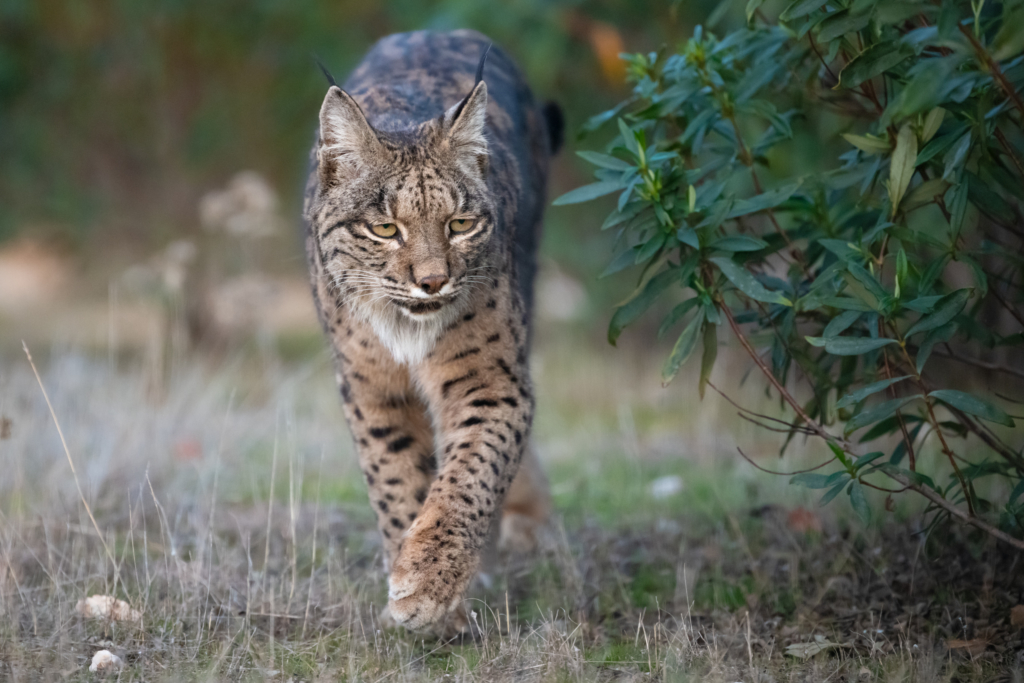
x,y
423,213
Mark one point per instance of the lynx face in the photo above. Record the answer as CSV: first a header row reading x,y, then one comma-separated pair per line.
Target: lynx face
x,y
404,219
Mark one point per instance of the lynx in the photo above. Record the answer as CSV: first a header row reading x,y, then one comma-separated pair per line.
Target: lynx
x,y
423,213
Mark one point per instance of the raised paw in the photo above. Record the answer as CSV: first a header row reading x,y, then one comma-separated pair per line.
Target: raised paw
x,y
428,580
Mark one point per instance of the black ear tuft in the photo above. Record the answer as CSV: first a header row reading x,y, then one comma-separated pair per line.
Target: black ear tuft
x,y
323,69
480,66
554,121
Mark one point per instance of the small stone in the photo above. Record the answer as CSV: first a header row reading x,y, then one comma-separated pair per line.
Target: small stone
x,y
105,661
666,487
107,607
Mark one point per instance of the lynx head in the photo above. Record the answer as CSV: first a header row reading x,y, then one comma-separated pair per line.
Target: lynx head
x,y
404,218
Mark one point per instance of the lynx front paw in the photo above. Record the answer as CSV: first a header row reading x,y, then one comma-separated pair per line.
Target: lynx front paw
x,y
414,601
429,577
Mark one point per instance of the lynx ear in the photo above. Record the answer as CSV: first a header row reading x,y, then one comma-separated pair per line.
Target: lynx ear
x,y
466,122
346,137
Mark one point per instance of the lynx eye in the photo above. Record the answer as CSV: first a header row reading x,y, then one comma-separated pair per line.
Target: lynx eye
x,y
462,225
385,230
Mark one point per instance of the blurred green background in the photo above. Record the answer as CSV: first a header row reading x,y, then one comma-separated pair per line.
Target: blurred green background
x,y
116,116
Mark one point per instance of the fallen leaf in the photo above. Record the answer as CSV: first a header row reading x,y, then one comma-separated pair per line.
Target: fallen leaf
x,y
107,607
971,647
807,650
105,661
1017,616
802,520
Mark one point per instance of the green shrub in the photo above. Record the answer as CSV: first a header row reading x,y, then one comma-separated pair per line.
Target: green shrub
x,y
841,278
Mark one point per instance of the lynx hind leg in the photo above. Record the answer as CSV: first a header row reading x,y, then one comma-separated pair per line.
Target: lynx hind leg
x,y
527,506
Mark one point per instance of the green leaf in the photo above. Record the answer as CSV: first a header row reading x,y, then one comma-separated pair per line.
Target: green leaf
x,y
955,157
867,143
840,248
833,492
902,167
936,336
689,237
595,122
1009,41
886,426
738,243
940,144
956,200
855,346
875,60
946,309
949,18
988,200
901,266
811,480
915,477
862,393
799,8
860,503
846,304
928,277
839,453
628,138
676,314
879,412
605,161
698,123
761,202
930,82
588,192
973,405
925,193
840,324
620,262
641,299
767,111
752,6
745,282
651,247
620,217
932,123
923,304
707,361
867,280
840,23
1017,492
868,458
684,347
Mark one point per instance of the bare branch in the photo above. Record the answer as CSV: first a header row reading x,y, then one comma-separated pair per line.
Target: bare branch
x,y
957,512
981,364
784,474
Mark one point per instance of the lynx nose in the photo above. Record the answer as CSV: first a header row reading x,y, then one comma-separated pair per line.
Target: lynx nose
x,y
432,284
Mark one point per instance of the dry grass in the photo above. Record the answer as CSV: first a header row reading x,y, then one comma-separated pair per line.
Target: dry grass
x,y
234,519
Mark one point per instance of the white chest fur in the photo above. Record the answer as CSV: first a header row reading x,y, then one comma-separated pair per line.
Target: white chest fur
x,y
408,338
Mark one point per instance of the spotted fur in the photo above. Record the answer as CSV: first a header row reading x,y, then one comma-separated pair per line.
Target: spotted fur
x,y
430,328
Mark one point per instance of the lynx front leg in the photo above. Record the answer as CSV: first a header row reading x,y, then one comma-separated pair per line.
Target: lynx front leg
x,y
396,444
484,409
